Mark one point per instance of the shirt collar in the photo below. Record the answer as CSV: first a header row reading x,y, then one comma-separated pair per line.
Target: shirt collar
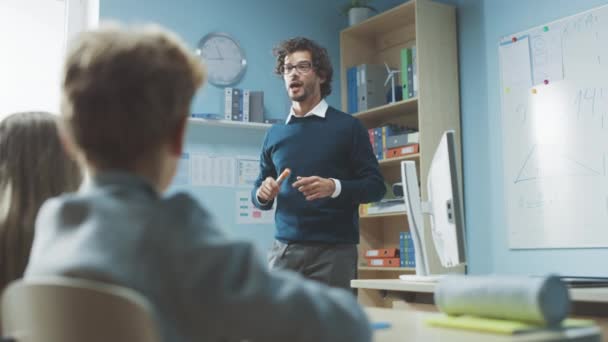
x,y
116,178
319,110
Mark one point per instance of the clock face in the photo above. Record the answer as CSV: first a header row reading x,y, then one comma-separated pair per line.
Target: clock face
x,y
224,58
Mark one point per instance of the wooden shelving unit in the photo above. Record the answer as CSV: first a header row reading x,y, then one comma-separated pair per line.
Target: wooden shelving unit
x,y
431,28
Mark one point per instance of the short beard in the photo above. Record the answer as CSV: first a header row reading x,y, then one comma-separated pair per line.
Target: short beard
x,y
300,98
303,97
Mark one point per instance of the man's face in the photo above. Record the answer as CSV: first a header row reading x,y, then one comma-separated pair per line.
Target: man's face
x,y
301,79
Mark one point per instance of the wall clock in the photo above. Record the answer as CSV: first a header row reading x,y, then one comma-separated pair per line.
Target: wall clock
x,y
224,57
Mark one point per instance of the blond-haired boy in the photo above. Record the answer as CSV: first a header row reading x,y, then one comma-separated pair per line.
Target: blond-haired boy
x,y
126,99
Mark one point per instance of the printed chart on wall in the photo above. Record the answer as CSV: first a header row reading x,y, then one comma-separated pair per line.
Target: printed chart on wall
x,y
248,169
247,213
554,90
238,173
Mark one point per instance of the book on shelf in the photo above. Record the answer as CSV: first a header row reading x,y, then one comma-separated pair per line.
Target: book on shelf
x,y
406,64
410,76
243,105
233,104
256,106
505,327
351,94
409,70
274,121
390,136
245,108
371,90
415,68
385,206
402,151
383,262
407,256
402,139
370,133
382,253
207,116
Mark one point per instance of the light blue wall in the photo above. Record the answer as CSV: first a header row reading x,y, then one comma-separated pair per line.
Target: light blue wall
x,y
482,23
257,25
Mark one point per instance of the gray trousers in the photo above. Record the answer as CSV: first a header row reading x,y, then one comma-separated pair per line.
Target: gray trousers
x,y
332,264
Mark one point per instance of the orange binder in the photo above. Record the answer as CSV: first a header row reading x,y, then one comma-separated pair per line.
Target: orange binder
x,y
385,262
402,151
382,253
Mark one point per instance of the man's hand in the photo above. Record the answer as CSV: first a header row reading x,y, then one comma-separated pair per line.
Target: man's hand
x,y
315,187
268,190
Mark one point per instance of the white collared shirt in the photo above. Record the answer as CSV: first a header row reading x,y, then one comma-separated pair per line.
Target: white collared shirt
x,y
319,110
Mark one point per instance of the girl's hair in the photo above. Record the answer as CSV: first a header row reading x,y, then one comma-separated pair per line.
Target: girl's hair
x,y
33,168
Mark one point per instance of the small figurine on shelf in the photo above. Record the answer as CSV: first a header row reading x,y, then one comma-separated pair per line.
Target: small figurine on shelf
x,y
391,78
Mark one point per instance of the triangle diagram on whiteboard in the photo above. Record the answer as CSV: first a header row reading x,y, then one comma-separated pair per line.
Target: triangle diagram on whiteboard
x,y
549,162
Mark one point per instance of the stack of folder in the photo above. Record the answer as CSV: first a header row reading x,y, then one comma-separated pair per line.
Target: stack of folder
x,y
385,257
498,326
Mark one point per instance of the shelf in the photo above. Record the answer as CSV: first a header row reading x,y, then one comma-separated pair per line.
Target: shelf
x,y
226,123
403,110
402,269
398,160
401,213
429,27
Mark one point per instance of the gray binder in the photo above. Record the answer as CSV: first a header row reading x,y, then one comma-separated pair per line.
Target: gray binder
x,y
371,91
256,106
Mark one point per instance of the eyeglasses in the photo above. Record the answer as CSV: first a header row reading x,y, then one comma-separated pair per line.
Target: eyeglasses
x,y
302,68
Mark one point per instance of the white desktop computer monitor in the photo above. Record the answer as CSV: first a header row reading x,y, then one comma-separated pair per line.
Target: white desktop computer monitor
x,y
444,208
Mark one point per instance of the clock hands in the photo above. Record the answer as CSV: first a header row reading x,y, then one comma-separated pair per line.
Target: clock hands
x,y
224,56
219,53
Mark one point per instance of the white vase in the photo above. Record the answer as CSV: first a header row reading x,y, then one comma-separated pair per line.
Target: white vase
x,y
358,14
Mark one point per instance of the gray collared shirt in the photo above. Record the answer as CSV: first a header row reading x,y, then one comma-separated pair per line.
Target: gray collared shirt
x,y
203,286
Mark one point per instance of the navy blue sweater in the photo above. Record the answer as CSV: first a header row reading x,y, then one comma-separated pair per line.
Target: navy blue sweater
x,y
336,146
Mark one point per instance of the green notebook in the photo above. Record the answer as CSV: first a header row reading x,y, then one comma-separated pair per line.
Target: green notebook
x,y
497,326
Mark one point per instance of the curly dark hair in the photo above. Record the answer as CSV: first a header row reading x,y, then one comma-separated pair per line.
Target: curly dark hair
x,y
320,59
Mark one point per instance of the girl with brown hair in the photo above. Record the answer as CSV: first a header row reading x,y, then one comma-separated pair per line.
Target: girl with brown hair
x,y
33,168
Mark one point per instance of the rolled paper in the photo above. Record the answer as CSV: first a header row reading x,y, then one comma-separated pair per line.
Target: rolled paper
x,y
540,300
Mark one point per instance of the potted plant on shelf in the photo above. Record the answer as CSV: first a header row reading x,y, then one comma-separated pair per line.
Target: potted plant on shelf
x,y
358,11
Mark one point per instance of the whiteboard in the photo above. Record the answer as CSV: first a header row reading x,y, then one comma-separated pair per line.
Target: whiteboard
x,y
554,97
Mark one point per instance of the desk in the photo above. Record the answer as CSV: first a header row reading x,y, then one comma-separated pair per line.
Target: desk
x,y
410,326
418,296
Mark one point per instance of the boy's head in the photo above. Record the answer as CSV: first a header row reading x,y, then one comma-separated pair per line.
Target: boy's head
x,y
126,95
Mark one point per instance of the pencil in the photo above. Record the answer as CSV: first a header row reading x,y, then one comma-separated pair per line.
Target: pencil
x,y
284,175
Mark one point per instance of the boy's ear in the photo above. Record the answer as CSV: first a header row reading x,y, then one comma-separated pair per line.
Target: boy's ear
x,y
176,143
